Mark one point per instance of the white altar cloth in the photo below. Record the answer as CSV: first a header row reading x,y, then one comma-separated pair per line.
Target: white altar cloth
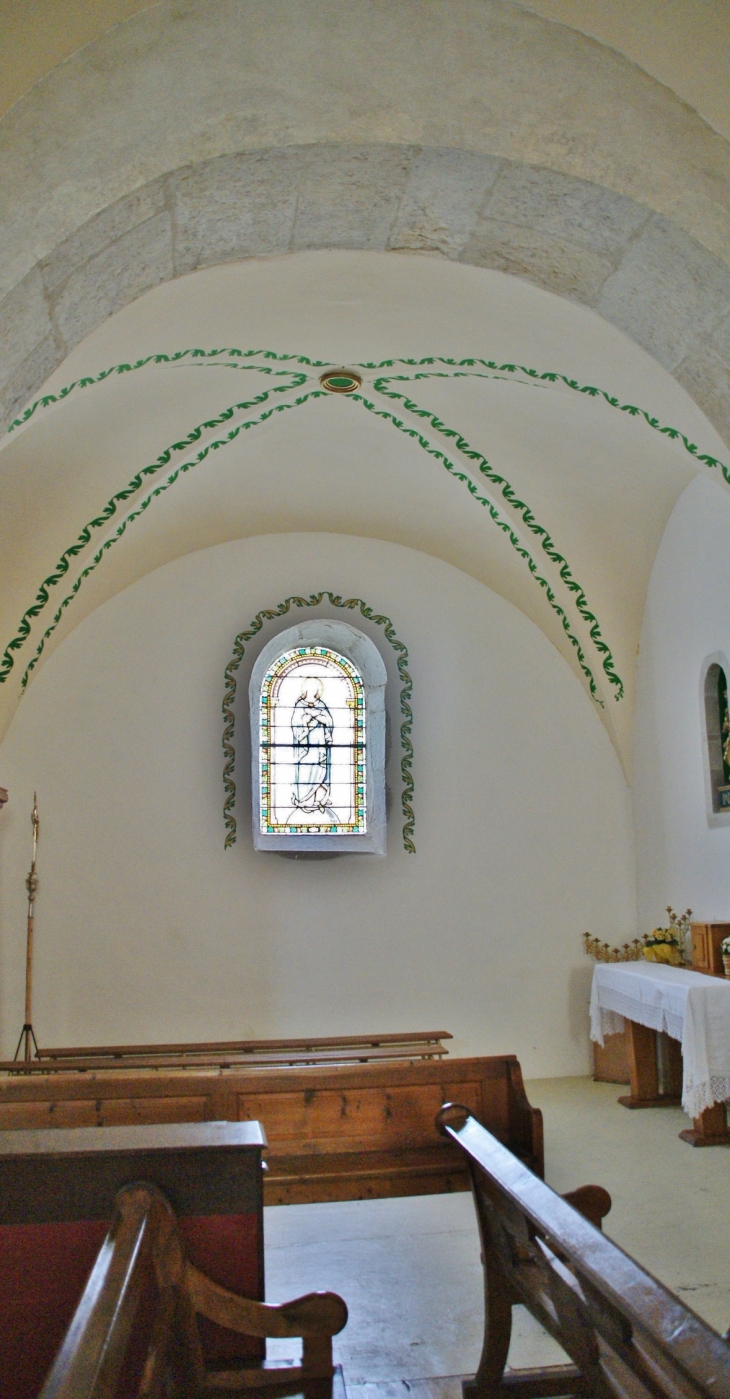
x,y
692,1008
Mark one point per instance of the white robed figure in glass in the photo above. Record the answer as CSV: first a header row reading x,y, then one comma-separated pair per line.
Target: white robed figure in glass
x,y
312,728
312,744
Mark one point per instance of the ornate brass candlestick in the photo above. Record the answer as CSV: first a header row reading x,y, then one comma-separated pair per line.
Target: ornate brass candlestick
x,y
27,1037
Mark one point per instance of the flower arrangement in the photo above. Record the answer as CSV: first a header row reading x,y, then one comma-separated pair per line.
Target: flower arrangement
x,y
660,945
669,945
663,945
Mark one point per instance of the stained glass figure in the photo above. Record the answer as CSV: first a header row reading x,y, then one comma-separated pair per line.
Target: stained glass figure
x,y
312,764
724,715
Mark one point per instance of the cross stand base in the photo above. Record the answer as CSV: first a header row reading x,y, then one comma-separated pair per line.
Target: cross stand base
x,y
27,1037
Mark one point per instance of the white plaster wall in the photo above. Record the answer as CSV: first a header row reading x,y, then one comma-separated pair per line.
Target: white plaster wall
x,y
148,930
682,857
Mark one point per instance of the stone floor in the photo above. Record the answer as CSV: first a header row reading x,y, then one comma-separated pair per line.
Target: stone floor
x,y
409,1269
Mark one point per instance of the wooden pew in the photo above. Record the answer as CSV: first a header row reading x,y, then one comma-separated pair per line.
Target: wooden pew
x,y
344,1132
57,1192
135,1327
627,1336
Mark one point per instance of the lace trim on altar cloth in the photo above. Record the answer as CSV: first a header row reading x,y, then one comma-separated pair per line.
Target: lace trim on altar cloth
x,y
605,1022
608,1017
698,1096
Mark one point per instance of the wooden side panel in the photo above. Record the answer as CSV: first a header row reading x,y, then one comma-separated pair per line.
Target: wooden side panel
x,y
643,1068
323,1120
102,1112
611,1060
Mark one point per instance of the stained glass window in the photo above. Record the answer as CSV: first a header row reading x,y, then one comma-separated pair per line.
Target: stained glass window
x,y
312,745
717,721
724,720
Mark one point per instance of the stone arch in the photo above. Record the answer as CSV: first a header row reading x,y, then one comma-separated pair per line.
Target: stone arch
x,y
194,133
577,239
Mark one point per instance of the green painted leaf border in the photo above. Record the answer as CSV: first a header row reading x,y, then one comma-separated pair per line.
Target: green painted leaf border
x,y
270,614
297,380
529,521
43,595
425,367
547,376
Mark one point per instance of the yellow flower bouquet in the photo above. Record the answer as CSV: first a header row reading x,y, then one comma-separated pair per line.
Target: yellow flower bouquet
x,y
662,945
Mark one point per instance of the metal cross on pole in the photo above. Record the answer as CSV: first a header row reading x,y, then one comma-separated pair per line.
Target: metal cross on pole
x,y
27,1037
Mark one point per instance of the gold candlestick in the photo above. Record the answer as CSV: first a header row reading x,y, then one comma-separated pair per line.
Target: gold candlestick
x,y
27,1037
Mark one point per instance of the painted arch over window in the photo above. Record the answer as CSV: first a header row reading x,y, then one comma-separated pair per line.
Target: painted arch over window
x,y
317,705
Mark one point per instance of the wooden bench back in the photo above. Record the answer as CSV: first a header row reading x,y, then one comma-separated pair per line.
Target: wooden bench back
x,y
627,1336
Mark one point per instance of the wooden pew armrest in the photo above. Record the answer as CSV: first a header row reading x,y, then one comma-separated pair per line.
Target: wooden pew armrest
x,y
316,1314
317,1317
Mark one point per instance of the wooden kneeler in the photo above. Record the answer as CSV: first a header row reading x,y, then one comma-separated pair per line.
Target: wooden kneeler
x,y
135,1329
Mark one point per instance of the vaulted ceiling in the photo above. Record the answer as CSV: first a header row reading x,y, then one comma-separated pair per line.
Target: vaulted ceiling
x,y
518,240
496,426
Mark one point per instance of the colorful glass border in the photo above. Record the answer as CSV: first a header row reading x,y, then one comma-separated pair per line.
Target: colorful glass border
x,y
267,825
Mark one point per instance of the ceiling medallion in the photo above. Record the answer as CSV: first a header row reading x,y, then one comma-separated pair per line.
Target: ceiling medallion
x,y
340,381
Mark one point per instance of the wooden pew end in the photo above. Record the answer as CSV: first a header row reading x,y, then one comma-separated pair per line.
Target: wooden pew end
x,y
144,1242
625,1333
592,1201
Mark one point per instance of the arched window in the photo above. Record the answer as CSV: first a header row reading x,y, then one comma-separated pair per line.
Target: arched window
x,y
717,720
318,741
312,745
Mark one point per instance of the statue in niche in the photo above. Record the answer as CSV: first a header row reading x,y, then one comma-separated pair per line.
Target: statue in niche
x,y
312,728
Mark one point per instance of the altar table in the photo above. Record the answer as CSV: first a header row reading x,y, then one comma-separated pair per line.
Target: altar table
x,y
646,998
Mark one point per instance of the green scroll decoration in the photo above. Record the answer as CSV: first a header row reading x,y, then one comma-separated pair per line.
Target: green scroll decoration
x,y
536,376
521,508
426,367
297,379
506,529
43,595
497,370
270,614
90,380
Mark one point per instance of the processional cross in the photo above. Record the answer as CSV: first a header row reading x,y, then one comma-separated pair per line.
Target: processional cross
x,y
27,1037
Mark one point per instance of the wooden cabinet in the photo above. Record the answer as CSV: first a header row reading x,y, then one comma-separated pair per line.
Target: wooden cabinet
x,y
706,940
